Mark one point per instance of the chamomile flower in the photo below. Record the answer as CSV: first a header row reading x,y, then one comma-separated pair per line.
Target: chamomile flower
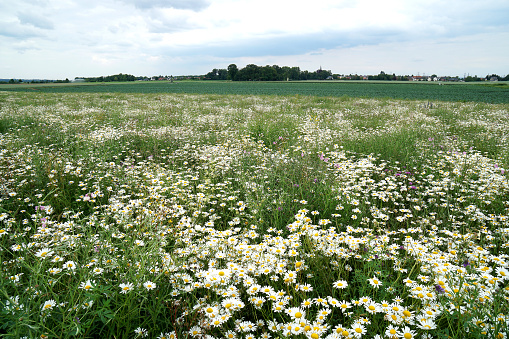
x,y
392,332
407,333
149,285
372,307
88,285
358,330
44,253
340,284
48,305
126,288
69,265
141,332
375,282
344,306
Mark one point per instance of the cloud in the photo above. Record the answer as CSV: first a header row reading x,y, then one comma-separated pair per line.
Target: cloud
x,y
169,21
193,5
35,20
13,29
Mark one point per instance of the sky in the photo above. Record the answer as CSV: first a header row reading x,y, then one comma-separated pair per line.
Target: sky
x,y
58,39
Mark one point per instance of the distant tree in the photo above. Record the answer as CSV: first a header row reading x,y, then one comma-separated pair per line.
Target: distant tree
x,y
294,73
232,71
493,76
472,78
222,74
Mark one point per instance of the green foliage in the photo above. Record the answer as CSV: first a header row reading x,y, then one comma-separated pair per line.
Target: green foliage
x,y
125,214
396,90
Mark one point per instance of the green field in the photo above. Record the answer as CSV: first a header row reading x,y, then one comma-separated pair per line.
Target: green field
x,y
475,92
202,216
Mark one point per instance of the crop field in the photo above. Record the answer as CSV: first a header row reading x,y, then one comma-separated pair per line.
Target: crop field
x,y
471,92
178,215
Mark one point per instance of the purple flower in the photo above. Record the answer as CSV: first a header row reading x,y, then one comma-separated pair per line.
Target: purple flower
x,y
465,263
439,289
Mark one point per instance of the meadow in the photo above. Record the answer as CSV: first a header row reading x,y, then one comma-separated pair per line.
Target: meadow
x,y
176,215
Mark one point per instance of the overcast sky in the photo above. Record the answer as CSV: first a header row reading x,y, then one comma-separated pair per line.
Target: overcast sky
x,y
57,39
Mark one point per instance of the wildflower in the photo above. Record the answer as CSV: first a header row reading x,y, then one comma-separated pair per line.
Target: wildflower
x,y
407,333
439,289
141,332
48,305
88,285
372,307
149,285
296,313
87,304
358,330
168,335
426,323
125,288
391,332
340,284
44,253
375,282
195,331
364,300
97,270
344,305
70,265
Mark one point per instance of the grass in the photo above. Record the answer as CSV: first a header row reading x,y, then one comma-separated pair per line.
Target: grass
x,y
239,216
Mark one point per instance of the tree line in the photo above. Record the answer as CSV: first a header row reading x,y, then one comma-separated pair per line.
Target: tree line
x,y
109,78
266,73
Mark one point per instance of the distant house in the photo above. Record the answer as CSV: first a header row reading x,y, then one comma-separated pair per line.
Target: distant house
x,y
493,78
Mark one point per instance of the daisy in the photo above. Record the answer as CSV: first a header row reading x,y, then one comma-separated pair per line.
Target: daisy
x,y
70,265
391,332
48,305
97,270
88,285
296,313
149,285
358,330
44,253
365,300
407,333
340,284
375,282
141,332
125,288
372,307
426,323
344,305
